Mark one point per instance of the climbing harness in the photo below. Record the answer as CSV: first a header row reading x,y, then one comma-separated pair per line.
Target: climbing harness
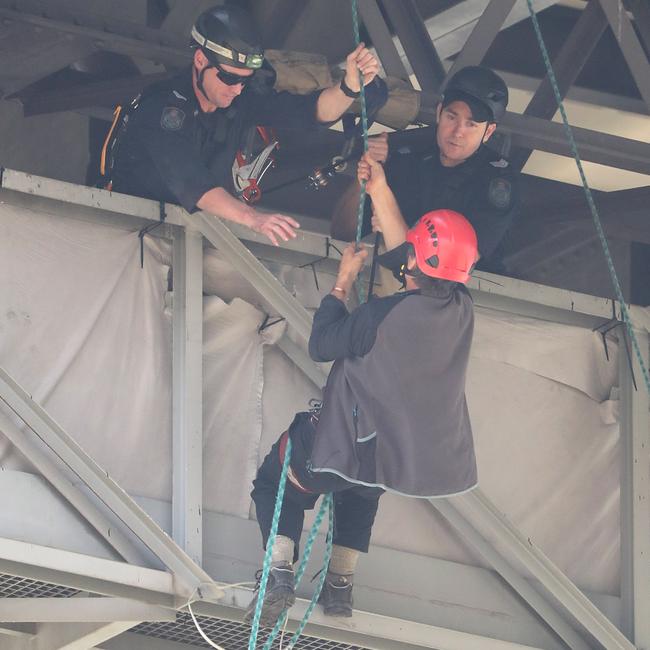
x,y
247,172
590,199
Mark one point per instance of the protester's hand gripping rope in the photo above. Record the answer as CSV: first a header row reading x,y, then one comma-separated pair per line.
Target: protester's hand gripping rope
x,y
590,199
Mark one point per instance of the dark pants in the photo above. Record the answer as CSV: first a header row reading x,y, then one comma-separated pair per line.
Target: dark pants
x,y
355,506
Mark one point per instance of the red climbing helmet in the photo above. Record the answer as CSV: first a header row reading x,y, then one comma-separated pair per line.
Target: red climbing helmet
x,y
445,245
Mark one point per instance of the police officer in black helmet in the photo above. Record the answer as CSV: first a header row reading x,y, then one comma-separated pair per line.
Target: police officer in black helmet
x,y
455,171
177,141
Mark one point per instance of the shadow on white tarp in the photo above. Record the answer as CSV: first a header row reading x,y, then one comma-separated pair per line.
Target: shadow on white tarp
x,y
87,332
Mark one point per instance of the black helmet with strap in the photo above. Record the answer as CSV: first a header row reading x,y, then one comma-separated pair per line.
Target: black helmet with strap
x,y
476,83
227,35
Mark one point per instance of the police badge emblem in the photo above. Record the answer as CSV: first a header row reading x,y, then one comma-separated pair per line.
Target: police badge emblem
x,y
499,193
172,118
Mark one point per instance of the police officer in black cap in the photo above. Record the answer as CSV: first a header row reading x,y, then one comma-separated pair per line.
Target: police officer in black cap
x,y
176,142
455,171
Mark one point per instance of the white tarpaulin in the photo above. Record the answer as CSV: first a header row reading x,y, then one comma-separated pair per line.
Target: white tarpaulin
x,y
86,331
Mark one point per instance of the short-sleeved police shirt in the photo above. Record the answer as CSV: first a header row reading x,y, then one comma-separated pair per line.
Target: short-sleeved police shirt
x,y
172,151
483,188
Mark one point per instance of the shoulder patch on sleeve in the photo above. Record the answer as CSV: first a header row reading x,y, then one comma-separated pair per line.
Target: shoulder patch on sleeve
x,y
502,163
500,192
172,118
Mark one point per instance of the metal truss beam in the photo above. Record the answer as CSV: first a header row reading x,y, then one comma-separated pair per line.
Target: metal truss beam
x,y
80,501
635,494
101,93
632,49
448,508
108,34
86,573
80,636
382,39
80,610
475,509
482,36
641,12
181,16
571,59
268,286
187,393
98,480
417,43
372,631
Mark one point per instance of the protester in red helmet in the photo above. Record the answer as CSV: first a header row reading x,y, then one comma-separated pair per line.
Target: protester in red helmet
x,y
393,415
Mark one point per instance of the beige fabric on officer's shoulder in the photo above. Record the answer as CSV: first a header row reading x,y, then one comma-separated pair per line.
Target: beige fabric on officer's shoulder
x,y
299,72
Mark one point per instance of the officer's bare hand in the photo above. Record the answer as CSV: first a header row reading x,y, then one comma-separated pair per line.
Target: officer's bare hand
x,y
378,147
372,172
351,264
361,59
274,226
376,224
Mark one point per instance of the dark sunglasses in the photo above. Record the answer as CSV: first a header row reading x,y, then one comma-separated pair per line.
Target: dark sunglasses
x,y
232,79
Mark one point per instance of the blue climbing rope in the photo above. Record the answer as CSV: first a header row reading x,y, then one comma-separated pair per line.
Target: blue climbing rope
x,y
364,121
266,567
328,500
590,199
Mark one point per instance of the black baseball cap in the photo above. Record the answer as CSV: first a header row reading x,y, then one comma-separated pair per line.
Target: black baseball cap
x,y
480,112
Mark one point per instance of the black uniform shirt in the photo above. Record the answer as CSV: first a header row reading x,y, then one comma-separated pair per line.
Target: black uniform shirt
x,y
172,151
483,188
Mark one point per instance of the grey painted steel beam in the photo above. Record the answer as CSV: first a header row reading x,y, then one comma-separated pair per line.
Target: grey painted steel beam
x,y
80,636
641,11
268,286
187,393
485,31
98,480
101,93
302,360
80,610
382,39
475,509
181,16
635,494
77,499
86,573
111,35
417,43
632,49
570,60
449,510
536,133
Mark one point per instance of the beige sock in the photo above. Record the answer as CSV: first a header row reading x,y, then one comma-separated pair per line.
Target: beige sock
x,y
282,550
343,560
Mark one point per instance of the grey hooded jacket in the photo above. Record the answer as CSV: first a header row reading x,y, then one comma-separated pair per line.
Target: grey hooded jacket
x,y
394,412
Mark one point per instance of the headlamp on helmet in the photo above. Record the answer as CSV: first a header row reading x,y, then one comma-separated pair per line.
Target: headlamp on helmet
x,y
228,35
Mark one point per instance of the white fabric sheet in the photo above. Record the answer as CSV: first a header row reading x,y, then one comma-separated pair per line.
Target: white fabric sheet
x,y
86,331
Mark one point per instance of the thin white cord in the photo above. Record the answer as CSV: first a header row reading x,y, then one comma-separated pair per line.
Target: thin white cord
x,y
201,632
284,629
188,604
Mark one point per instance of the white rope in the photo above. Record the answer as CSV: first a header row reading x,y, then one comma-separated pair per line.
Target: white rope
x,y
204,636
